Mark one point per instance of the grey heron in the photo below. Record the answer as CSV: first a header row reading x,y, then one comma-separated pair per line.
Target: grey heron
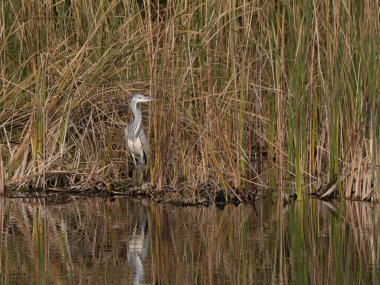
x,y
135,137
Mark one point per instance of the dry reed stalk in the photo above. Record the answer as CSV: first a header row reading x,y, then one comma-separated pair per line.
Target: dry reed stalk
x,y
2,172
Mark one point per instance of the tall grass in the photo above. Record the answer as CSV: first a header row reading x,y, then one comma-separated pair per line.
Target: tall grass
x,y
250,93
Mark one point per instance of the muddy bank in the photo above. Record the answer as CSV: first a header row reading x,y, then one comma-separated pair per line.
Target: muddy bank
x,y
203,196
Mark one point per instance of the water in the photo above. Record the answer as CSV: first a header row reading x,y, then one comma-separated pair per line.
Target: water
x,y
119,241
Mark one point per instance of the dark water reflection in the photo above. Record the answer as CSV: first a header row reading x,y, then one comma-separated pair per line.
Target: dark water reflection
x,y
102,241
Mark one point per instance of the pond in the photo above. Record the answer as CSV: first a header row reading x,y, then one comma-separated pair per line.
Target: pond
x,y
123,241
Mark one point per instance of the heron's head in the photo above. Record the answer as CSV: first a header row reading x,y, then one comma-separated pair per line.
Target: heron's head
x,y
138,98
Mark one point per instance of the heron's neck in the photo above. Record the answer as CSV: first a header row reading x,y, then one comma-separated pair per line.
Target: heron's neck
x,y
136,124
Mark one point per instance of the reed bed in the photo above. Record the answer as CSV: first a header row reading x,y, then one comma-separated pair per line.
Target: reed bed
x,y
249,93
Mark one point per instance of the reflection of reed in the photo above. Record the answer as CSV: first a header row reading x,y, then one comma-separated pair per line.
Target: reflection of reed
x,y
100,241
210,246
309,242
339,243
363,225
57,243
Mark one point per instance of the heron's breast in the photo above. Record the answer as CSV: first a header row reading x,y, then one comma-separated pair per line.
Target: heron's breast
x,y
135,146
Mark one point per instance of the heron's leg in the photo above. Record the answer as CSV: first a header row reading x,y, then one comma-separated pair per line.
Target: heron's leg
x,y
142,167
134,159
142,177
135,163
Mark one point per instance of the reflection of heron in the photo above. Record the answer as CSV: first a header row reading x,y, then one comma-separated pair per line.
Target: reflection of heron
x,y
137,142
138,247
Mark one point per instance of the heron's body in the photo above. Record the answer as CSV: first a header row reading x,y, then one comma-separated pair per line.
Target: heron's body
x,y
138,149
135,137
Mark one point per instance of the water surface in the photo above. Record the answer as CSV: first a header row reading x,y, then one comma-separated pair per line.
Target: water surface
x,y
120,241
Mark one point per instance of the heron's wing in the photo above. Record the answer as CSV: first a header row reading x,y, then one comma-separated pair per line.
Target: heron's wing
x,y
144,143
126,133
